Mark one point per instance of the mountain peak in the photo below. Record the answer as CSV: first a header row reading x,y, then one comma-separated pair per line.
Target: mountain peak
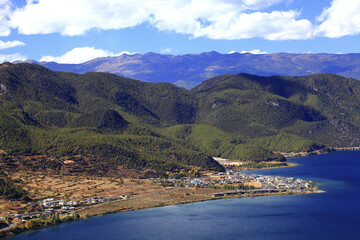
x,y
189,70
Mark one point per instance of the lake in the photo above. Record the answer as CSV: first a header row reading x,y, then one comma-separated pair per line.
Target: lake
x,y
331,215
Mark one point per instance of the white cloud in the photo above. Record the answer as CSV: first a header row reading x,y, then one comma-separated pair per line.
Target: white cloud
x,y
77,17
342,18
254,51
4,13
10,44
215,19
12,57
229,19
123,52
271,26
165,50
80,55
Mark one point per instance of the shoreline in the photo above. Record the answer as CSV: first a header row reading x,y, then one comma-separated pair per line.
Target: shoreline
x,y
347,148
167,197
304,154
318,152
120,206
249,166
289,164
208,198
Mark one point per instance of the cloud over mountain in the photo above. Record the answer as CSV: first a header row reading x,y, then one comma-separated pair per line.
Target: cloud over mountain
x,y
12,57
80,55
10,44
254,51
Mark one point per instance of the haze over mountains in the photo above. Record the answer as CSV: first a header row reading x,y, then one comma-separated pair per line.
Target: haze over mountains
x,y
190,70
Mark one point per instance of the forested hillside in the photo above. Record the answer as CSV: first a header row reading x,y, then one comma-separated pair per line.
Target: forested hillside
x,y
100,123
111,122
323,107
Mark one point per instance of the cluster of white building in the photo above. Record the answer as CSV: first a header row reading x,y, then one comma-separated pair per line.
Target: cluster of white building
x,y
231,177
277,182
53,203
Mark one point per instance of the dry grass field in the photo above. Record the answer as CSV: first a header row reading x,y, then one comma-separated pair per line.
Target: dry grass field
x,y
43,186
169,196
144,193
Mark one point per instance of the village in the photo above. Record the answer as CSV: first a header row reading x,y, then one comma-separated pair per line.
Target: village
x,y
233,183
248,183
50,206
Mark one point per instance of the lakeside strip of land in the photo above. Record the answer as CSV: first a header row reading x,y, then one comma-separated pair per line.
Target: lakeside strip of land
x,y
159,192
249,165
176,197
317,152
263,186
142,193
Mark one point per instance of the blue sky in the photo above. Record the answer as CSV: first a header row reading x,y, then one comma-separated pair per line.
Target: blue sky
x,y
74,31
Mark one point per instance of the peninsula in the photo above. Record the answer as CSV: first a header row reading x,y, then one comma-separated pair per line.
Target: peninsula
x,y
102,196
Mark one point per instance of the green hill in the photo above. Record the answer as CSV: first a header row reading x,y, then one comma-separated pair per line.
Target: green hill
x,y
104,123
322,107
103,117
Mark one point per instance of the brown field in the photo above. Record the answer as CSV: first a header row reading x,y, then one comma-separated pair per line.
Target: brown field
x,y
10,206
43,186
78,188
254,184
144,194
170,196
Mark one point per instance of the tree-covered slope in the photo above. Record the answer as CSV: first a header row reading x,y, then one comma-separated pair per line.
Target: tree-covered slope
x,y
104,123
38,90
103,117
323,107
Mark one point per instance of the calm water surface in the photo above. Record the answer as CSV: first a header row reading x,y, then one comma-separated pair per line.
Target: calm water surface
x,y
332,215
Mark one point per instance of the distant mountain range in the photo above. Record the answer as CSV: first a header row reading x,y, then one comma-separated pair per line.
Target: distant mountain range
x,y
190,70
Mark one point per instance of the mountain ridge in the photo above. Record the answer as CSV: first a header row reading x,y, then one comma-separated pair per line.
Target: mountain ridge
x,y
189,70
112,121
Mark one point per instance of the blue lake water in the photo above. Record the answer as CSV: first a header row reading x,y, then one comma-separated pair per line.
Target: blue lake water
x,y
331,215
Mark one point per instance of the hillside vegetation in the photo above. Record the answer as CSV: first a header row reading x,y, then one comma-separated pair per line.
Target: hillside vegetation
x,y
100,123
323,108
108,120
